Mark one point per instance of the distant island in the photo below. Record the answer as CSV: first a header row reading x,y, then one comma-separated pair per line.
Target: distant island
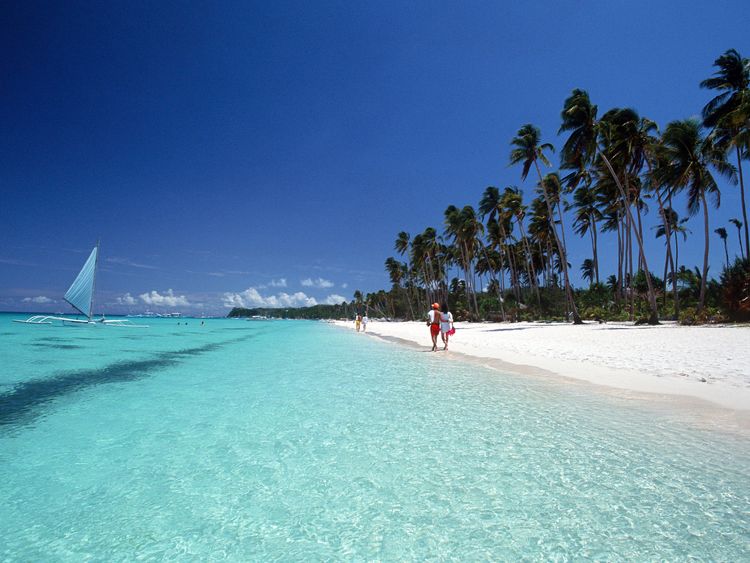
x,y
313,313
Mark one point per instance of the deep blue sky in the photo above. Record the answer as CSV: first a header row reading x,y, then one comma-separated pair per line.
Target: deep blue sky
x,y
219,147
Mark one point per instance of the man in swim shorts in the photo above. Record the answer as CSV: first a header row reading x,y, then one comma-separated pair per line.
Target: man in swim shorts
x,y
433,321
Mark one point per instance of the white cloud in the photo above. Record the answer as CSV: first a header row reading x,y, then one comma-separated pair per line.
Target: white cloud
x,y
320,283
334,299
168,299
344,285
281,282
252,298
37,299
126,299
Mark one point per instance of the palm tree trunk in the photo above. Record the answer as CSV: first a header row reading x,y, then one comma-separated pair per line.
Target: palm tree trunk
x,y
502,268
530,263
674,276
629,260
702,298
408,301
742,198
666,271
550,272
618,289
668,235
739,238
513,274
640,228
511,264
676,265
470,275
595,248
561,251
493,275
654,318
726,251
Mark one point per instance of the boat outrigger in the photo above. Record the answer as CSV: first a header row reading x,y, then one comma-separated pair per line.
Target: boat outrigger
x,y
80,296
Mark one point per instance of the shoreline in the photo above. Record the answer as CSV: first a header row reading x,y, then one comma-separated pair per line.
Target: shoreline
x,y
707,367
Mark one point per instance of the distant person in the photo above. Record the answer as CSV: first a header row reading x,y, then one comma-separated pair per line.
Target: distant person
x,y
365,320
433,321
357,322
446,324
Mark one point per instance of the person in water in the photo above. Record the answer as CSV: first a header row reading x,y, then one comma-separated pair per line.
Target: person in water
x,y
433,321
446,324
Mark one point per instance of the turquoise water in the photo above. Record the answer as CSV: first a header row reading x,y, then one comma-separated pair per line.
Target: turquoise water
x,y
291,440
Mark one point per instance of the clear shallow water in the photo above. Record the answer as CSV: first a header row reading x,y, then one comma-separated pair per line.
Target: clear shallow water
x,y
300,441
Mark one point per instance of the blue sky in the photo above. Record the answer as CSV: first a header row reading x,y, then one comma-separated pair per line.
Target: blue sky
x,y
229,153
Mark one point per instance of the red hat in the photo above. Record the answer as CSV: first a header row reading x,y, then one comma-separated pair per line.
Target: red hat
x,y
435,306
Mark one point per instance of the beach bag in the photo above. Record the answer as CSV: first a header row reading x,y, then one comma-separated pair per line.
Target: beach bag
x,y
452,331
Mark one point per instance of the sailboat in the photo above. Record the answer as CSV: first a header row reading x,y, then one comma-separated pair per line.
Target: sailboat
x,y
80,296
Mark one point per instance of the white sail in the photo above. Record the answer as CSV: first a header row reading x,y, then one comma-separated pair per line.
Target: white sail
x,y
81,293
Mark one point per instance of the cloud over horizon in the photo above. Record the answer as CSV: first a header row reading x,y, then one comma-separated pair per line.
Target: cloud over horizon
x,y
168,299
38,299
252,298
126,299
335,299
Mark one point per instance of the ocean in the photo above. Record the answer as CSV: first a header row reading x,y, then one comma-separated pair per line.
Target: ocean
x,y
293,440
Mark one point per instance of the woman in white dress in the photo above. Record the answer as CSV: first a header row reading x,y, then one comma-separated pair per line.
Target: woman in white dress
x,y
446,324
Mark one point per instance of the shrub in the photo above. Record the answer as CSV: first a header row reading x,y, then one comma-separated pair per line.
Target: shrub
x,y
690,316
735,283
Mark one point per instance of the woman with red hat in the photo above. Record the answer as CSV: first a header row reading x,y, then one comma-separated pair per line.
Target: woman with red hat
x,y
433,321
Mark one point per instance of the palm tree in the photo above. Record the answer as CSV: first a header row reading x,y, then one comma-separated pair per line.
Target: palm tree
x,y
586,216
687,159
540,230
434,257
626,141
396,272
579,118
529,152
492,206
729,112
464,227
722,232
671,226
401,245
737,223
679,228
625,138
513,203
587,270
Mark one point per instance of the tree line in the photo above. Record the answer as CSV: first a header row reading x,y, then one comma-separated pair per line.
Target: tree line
x,y
612,164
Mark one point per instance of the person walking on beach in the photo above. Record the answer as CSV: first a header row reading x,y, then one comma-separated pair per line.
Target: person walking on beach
x,y
365,320
433,321
357,321
446,324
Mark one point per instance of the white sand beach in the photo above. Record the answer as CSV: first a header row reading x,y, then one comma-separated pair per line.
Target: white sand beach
x,y
711,363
